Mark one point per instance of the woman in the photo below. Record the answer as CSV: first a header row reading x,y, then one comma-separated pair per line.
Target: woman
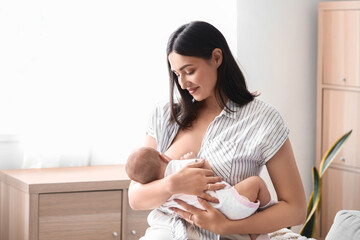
x,y
220,120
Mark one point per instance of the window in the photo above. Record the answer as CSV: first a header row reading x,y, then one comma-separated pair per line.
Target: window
x,y
78,78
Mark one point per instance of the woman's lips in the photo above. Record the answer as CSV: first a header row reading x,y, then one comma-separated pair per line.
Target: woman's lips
x,y
192,90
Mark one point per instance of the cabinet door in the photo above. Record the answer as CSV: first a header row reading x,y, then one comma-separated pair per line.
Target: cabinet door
x,y
135,222
341,47
341,113
340,191
80,215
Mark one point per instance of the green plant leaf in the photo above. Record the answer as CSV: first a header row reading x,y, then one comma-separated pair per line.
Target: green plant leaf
x,y
308,229
310,204
332,152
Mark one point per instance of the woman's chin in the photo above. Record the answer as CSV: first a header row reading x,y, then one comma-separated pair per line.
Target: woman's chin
x,y
197,98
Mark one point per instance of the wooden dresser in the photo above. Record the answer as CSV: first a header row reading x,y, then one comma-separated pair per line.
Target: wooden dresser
x,y
338,106
68,204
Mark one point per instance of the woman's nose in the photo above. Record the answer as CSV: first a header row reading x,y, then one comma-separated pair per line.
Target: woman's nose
x,y
182,81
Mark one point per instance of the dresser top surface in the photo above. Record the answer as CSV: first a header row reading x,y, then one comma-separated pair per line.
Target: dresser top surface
x,y
70,178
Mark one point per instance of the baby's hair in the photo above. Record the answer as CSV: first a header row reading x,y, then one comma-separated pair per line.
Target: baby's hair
x,y
143,165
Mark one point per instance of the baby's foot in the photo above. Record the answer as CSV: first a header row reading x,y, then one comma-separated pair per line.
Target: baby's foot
x,y
189,155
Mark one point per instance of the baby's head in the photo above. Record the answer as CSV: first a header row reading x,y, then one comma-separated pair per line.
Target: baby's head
x,y
146,165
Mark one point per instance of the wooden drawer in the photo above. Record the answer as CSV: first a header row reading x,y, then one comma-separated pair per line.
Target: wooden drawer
x,y
341,48
340,114
340,191
80,215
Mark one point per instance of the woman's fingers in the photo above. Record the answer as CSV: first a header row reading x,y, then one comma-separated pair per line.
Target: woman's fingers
x,y
206,172
215,187
210,218
209,198
205,204
188,216
211,179
197,164
186,206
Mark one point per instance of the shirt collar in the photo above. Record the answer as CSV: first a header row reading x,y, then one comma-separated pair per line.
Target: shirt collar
x,y
234,110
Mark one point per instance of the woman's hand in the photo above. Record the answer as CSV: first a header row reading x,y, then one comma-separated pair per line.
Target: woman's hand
x,y
194,180
210,218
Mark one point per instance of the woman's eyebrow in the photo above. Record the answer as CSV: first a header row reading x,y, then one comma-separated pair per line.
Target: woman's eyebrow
x,y
185,66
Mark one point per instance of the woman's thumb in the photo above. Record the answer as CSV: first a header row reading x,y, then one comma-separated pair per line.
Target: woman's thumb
x,y
197,163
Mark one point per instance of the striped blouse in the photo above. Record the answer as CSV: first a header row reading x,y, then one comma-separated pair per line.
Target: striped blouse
x,y
236,144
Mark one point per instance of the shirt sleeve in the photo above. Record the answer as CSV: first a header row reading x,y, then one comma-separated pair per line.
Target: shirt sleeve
x,y
155,120
152,122
275,132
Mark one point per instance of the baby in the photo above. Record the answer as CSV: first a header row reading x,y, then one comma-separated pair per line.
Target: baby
x,y
240,201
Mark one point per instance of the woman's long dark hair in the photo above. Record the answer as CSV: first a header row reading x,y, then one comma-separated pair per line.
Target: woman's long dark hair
x,y
199,39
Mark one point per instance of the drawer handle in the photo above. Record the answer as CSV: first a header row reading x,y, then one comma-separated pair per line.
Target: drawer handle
x,y
133,232
115,234
342,159
343,79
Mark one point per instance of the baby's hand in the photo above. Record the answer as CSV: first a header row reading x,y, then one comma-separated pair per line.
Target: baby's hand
x,y
189,155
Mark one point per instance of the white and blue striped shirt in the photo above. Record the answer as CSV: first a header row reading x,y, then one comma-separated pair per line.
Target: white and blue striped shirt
x,y
236,144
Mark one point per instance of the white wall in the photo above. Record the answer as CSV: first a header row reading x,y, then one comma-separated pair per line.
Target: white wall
x,y
277,48
78,78
71,71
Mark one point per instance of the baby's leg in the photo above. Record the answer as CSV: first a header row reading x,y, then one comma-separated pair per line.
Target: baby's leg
x,y
254,188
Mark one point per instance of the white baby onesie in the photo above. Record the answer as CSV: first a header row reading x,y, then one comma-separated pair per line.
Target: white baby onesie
x,y
231,203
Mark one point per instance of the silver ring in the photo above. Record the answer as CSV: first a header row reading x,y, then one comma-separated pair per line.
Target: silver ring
x,y
190,216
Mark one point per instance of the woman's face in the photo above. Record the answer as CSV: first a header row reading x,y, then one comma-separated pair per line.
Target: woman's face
x,y
196,75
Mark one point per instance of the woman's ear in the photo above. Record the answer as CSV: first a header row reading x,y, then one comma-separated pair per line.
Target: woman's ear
x,y
217,56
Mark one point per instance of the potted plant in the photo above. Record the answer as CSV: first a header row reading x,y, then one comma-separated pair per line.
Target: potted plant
x,y
308,229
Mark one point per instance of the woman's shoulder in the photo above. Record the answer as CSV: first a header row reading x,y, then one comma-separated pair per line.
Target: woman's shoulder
x,y
162,109
257,107
265,106
158,123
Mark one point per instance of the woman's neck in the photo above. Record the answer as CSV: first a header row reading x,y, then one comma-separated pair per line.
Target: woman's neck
x,y
211,105
209,109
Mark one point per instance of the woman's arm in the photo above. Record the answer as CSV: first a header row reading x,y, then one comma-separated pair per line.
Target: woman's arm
x,y
152,195
289,211
138,192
